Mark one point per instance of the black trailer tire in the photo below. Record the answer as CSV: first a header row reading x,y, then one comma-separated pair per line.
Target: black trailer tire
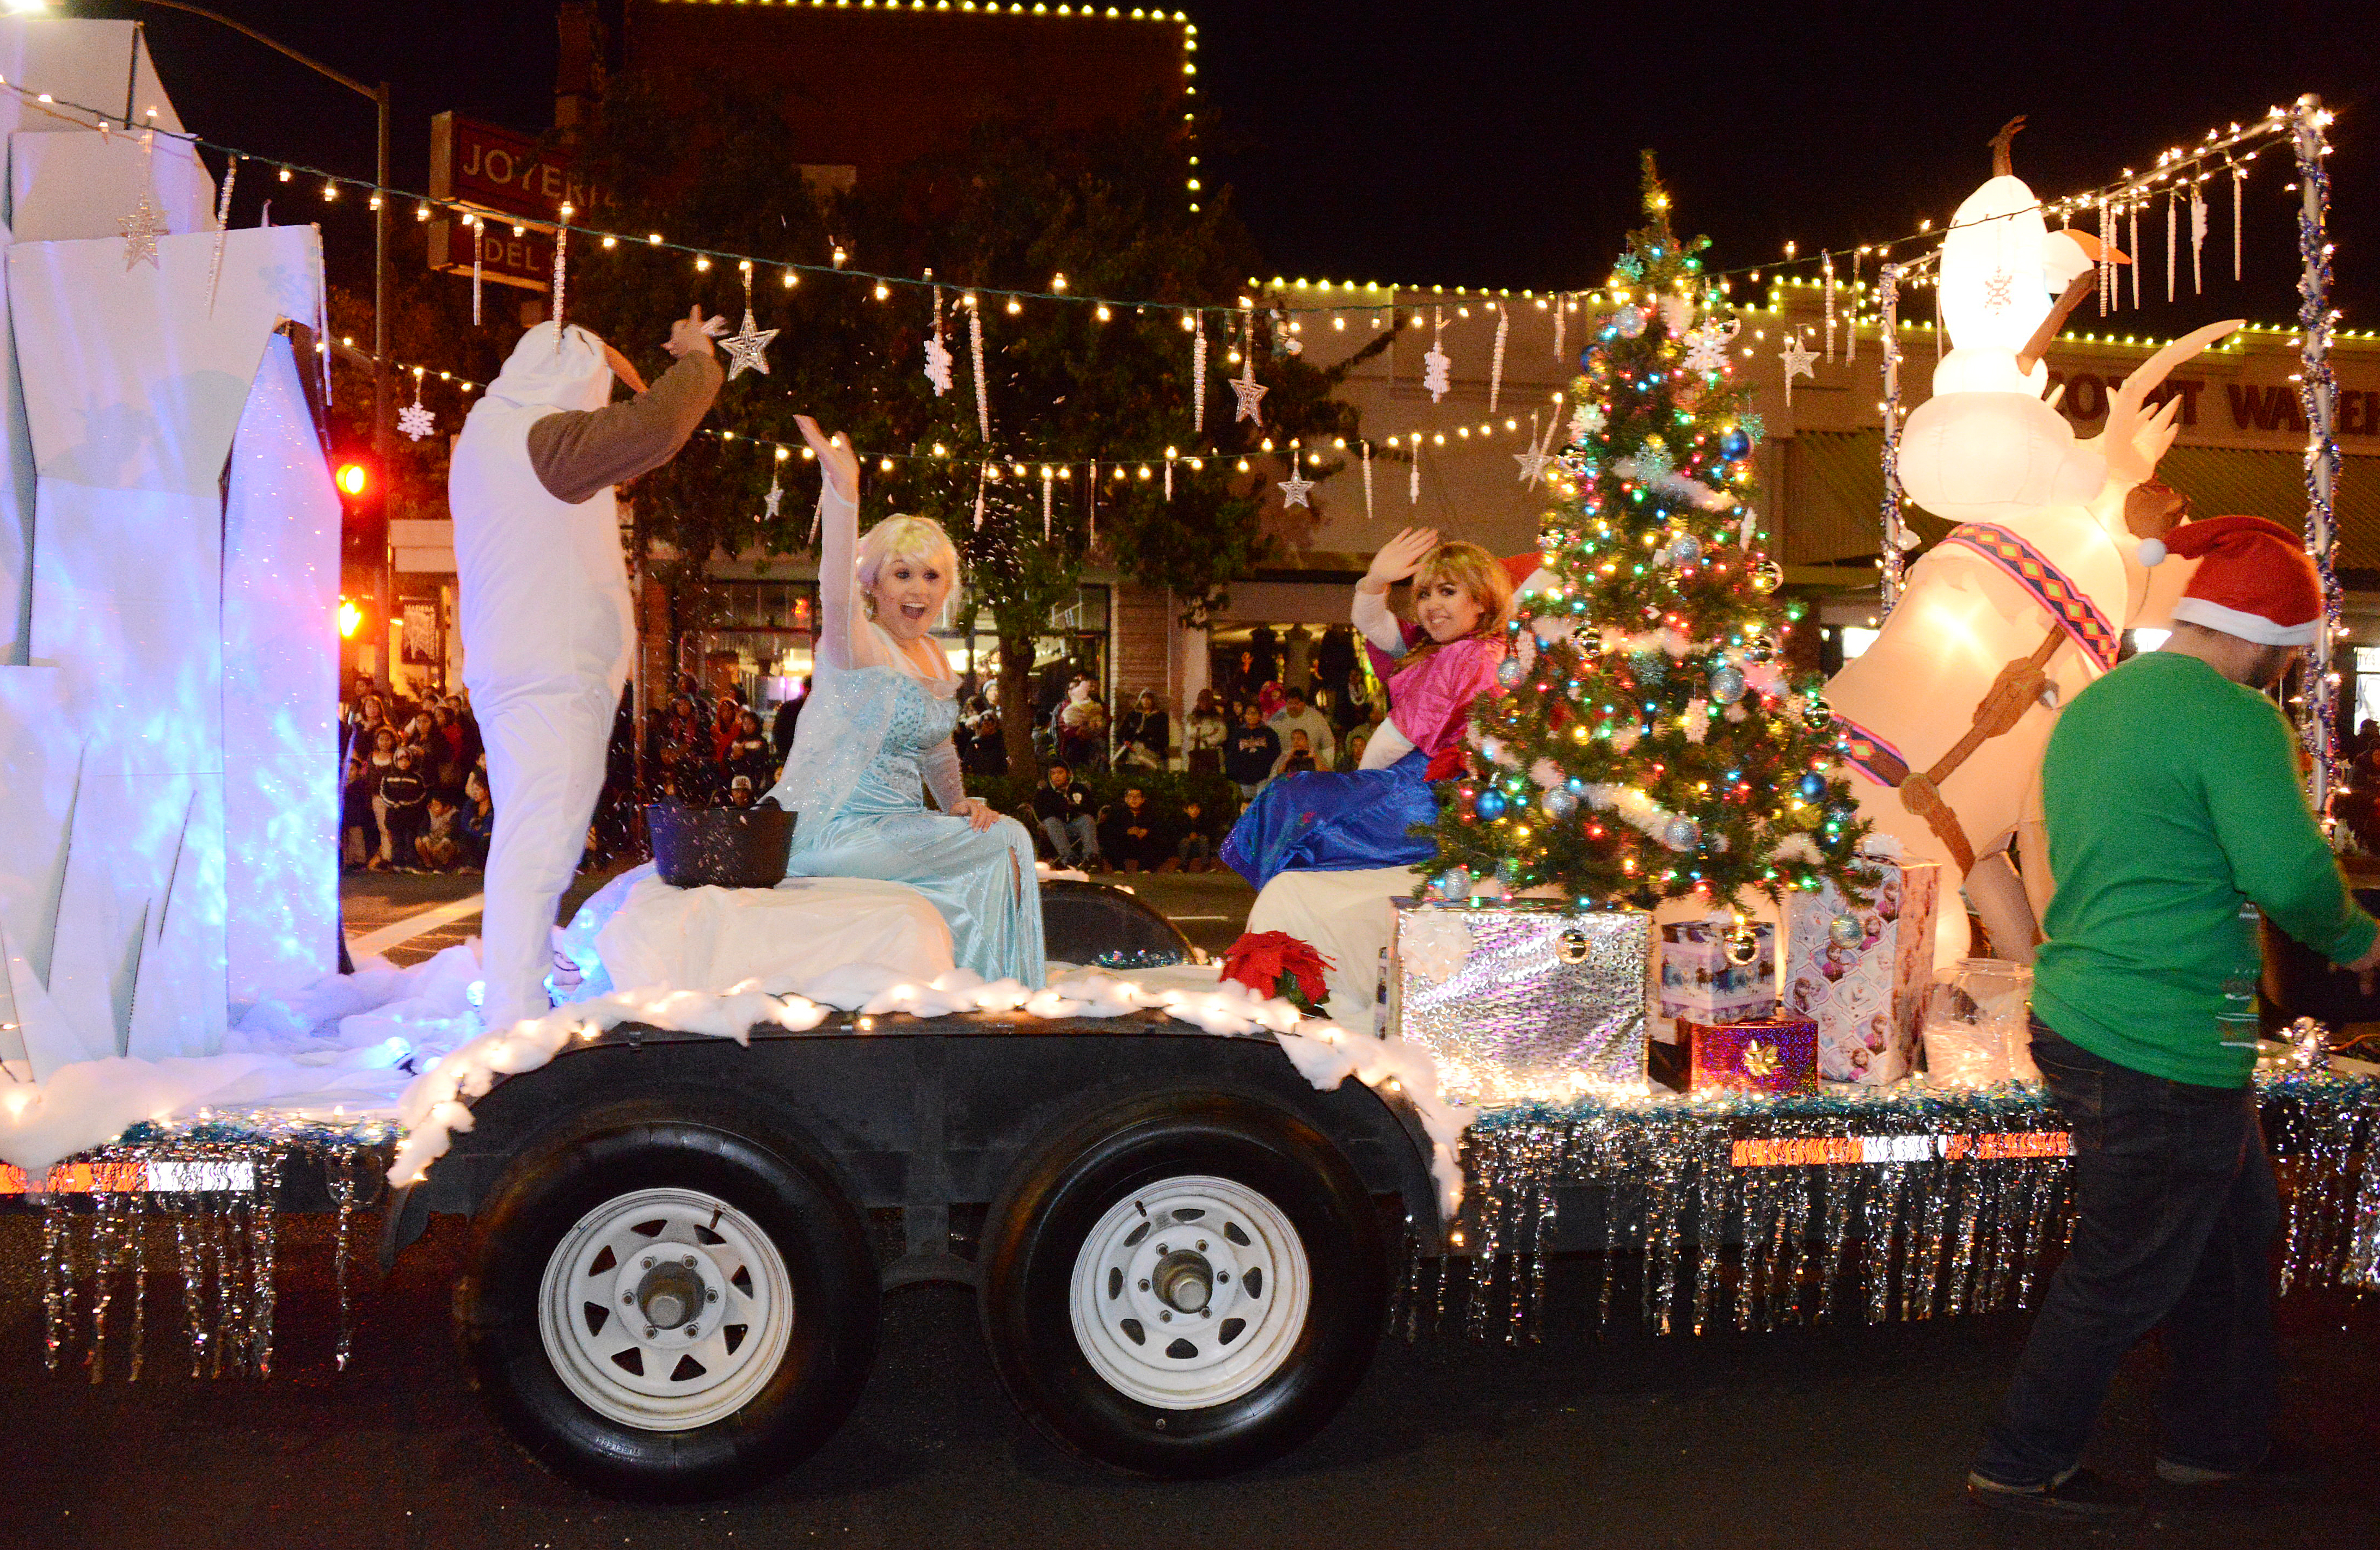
x,y
1183,1285
583,1322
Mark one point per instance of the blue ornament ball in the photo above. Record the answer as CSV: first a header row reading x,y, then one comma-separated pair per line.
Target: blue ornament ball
x,y
1727,685
1814,785
1734,444
1510,672
1490,805
1586,359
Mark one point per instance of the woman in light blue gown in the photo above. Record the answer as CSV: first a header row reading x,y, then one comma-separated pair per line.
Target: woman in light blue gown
x,y
877,729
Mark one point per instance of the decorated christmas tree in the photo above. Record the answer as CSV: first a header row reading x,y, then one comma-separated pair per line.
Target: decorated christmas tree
x,y
1645,743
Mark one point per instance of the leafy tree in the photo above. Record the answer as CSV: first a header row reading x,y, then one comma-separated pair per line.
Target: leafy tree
x,y
1014,210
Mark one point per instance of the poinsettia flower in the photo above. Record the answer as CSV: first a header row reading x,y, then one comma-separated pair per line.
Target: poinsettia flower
x,y
1262,960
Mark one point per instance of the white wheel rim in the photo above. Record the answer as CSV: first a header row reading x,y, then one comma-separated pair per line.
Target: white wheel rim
x,y
1176,1357
666,1308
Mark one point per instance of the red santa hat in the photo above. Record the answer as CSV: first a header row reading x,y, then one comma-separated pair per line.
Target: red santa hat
x,y
2255,580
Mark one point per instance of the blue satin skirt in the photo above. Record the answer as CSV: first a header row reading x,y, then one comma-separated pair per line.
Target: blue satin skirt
x,y
1335,822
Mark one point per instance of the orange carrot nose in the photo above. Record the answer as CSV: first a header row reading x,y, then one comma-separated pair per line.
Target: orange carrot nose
x,y
2093,249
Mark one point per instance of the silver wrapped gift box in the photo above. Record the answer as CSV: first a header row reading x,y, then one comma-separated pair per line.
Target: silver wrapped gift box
x,y
1525,999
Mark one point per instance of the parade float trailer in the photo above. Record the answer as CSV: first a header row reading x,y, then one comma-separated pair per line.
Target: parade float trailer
x,y
1189,1210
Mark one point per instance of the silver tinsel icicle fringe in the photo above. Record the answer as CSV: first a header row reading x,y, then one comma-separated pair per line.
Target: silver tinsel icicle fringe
x,y
1944,1230
220,1188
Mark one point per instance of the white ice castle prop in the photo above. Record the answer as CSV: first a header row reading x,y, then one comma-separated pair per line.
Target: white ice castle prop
x,y
168,577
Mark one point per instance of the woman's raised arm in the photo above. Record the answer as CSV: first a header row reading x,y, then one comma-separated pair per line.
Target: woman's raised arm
x,y
840,612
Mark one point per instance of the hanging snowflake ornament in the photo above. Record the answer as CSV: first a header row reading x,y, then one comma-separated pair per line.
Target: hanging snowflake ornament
x,y
415,419
938,351
1435,365
1587,419
1707,346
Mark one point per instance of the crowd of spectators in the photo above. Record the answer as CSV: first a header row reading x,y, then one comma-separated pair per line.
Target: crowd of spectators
x,y
416,793
414,786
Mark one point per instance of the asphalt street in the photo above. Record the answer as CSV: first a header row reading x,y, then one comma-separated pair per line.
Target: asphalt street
x,y
1855,1436
1852,1437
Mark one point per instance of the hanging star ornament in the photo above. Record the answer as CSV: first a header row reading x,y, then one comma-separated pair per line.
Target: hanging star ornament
x,y
1294,488
1797,358
1534,465
1250,394
744,347
141,229
775,498
937,364
416,420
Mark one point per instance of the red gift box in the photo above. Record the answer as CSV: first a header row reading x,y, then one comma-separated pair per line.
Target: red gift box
x,y
1758,1055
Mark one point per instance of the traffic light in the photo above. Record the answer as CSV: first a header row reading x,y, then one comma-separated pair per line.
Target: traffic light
x,y
363,501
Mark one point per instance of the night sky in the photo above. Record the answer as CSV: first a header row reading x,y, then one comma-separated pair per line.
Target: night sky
x,y
1495,143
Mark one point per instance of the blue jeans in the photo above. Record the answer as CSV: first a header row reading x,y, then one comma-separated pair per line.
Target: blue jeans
x,y
1075,840
2176,1209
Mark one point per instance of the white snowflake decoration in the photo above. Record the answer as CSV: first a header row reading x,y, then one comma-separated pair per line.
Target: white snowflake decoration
x,y
938,363
1678,312
1707,346
1585,421
744,348
416,420
1434,367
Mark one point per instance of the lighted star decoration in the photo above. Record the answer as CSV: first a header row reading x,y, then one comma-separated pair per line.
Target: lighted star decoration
x,y
416,420
1534,465
1250,393
1294,488
937,364
141,229
744,347
1797,357
775,498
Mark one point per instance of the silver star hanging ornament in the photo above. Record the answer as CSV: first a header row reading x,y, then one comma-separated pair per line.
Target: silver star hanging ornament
x,y
1294,488
141,229
1797,358
775,498
1534,465
937,364
1250,394
416,420
744,347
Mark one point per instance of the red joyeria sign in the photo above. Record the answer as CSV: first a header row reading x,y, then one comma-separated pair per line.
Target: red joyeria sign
x,y
500,170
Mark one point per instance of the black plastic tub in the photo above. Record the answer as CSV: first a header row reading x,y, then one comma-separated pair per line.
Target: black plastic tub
x,y
720,847
2301,982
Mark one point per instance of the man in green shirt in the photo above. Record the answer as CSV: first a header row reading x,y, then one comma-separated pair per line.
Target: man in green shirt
x,y
2170,788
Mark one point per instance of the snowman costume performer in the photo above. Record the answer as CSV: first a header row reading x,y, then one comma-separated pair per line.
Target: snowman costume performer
x,y
548,625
